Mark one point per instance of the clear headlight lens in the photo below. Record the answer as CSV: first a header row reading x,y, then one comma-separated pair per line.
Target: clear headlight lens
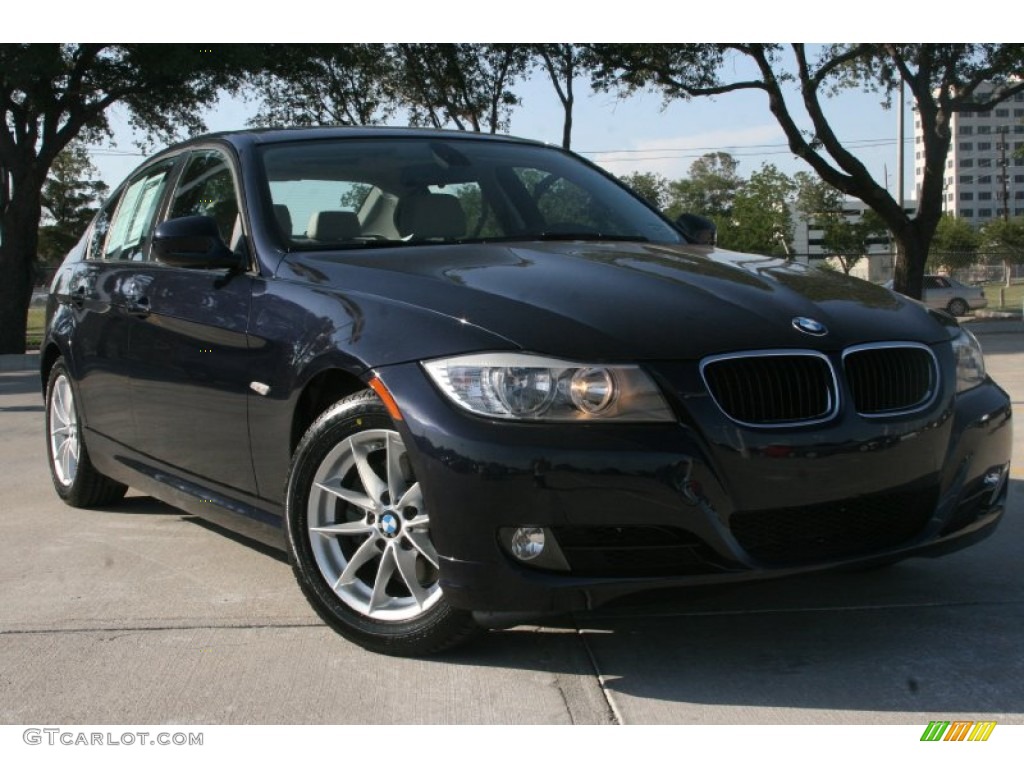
x,y
532,388
970,364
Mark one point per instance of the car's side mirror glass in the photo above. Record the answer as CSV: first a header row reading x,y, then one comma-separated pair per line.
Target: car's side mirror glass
x,y
193,242
697,229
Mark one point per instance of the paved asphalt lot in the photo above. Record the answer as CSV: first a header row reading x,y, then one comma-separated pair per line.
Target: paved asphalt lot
x,y
141,614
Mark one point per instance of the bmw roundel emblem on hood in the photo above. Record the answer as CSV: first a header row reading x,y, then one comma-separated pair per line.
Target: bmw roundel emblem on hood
x,y
809,326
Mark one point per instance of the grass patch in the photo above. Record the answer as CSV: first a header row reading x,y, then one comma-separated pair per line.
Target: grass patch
x,y
36,327
1005,299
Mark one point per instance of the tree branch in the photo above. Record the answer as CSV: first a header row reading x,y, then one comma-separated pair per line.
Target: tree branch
x,y
839,61
857,174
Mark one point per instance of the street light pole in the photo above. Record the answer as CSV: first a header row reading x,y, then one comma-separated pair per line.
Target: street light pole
x,y
1004,166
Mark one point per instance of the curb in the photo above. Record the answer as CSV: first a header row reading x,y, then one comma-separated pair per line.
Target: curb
x,y
985,327
27,362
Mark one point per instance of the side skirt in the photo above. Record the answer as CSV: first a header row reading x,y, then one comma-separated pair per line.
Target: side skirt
x,y
249,516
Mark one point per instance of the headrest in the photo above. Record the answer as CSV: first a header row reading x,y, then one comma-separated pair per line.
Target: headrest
x,y
328,226
430,216
284,219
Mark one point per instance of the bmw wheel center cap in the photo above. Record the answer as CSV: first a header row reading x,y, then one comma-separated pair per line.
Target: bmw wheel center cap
x,y
809,326
389,525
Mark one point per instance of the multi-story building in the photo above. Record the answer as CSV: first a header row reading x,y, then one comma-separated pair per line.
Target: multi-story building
x,y
984,176
877,265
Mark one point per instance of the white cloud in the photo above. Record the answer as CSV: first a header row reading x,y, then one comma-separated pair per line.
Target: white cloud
x,y
751,145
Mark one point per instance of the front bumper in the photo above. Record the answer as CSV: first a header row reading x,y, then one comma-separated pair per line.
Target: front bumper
x,y
700,501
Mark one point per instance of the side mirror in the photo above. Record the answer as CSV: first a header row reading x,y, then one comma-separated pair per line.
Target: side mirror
x,y
193,242
697,229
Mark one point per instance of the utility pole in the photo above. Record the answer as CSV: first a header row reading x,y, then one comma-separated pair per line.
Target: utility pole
x,y
1003,133
899,148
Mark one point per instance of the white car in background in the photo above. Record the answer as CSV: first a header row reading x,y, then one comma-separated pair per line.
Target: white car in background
x,y
942,292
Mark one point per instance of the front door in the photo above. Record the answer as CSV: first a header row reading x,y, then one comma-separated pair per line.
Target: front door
x,y
190,356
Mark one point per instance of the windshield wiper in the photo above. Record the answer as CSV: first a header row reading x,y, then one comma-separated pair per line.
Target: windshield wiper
x,y
558,237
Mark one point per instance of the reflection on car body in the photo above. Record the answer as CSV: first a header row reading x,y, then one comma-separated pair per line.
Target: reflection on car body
x,y
466,379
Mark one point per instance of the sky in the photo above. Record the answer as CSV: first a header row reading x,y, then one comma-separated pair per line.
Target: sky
x,y
636,134
639,133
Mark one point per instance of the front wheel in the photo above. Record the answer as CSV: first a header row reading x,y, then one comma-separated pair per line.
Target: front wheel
x,y
359,535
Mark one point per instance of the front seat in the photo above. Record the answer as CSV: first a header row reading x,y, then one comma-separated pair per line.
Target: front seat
x,y
430,217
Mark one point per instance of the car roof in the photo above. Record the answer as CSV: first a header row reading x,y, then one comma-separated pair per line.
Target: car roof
x,y
263,136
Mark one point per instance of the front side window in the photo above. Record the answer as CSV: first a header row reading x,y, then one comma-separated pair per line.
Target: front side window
x,y
207,188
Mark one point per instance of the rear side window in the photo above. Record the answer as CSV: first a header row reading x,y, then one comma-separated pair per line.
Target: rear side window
x,y
132,223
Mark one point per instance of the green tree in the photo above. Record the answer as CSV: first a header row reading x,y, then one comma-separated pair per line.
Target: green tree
x,y
761,219
942,79
710,189
70,197
51,94
843,238
353,84
954,246
563,63
1004,239
652,187
465,85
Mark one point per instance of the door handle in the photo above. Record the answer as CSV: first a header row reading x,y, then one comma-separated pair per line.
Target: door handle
x,y
138,306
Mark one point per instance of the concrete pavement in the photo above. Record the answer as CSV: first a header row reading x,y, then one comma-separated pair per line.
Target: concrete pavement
x,y
142,614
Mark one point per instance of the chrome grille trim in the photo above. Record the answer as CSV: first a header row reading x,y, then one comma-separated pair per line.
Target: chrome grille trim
x,y
831,394
930,392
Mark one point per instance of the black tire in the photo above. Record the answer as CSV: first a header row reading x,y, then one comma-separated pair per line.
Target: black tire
x,y
369,569
75,479
958,307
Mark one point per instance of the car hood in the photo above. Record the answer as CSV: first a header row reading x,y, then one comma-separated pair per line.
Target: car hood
x,y
608,301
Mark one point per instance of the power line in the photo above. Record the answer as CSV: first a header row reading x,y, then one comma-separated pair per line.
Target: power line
x,y
852,143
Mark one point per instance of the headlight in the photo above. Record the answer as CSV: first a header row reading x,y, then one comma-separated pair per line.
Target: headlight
x,y
527,387
970,364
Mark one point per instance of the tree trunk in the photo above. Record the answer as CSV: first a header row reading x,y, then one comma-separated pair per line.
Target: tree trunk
x,y
20,228
567,127
911,255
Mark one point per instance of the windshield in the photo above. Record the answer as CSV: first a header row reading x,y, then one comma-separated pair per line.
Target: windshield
x,y
360,193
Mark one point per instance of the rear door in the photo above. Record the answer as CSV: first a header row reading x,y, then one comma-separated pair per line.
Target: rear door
x,y
101,291
937,291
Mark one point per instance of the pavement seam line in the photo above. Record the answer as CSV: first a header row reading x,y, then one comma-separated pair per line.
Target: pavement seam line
x,y
613,710
169,628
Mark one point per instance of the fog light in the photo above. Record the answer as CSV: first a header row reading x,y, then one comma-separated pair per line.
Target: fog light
x,y
527,543
993,478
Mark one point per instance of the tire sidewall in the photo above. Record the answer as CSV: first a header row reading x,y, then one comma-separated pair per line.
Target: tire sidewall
x,y
68,491
410,636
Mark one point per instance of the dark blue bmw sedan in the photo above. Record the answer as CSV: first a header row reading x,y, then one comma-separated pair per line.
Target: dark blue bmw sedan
x,y
465,379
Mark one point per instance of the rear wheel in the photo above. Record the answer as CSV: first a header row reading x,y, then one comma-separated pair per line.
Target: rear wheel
x,y
74,477
958,307
359,535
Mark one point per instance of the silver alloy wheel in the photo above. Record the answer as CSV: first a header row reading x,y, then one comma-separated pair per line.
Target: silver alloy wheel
x,y
65,442
369,531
